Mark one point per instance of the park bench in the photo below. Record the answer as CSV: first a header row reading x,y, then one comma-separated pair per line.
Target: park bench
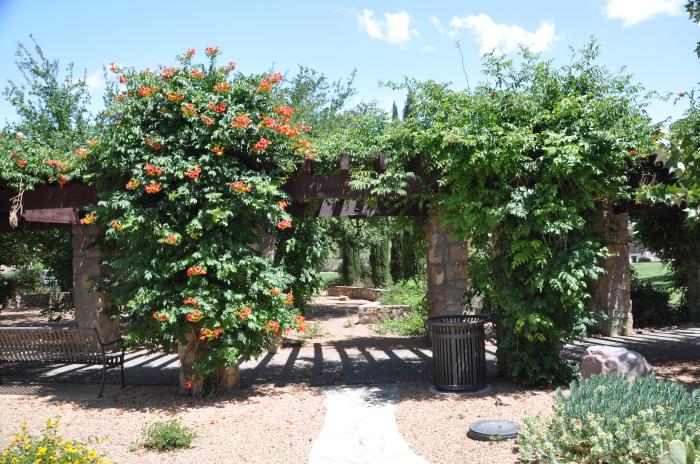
x,y
61,345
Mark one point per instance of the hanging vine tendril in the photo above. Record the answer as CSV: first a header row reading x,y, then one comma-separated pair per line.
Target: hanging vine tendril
x,y
17,207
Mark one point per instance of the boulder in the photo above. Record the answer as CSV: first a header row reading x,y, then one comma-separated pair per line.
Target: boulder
x,y
609,360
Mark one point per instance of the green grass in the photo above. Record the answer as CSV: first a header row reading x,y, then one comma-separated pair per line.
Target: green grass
x,y
410,292
659,276
330,278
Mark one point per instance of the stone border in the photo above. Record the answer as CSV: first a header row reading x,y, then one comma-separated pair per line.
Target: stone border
x,y
356,293
370,313
37,300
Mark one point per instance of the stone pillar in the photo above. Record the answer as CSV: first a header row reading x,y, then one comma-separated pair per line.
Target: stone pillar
x,y
611,292
447,269
266,244
92,309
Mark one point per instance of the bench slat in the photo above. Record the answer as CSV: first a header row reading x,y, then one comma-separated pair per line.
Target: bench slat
x,y
78,346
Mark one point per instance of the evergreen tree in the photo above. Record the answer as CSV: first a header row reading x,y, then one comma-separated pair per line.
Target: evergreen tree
x,y
408,106
380,260
394,112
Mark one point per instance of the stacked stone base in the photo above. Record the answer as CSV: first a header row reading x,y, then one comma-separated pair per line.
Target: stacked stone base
x,y
37,300
372,313
356,293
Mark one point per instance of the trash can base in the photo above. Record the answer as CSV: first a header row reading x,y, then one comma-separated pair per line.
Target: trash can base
x,y
483,391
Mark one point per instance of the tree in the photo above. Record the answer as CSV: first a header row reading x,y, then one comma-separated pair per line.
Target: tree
x,y
190,167
53,121
394,112
52,108
674,239
693,9
316,100
408,105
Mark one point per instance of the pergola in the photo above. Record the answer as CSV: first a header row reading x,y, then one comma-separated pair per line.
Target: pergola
x,y
54,206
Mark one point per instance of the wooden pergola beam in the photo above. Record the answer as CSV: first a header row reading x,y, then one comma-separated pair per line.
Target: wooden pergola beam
x,y
52,204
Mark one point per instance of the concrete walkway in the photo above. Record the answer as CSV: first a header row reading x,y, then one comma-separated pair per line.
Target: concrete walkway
x,y
360,427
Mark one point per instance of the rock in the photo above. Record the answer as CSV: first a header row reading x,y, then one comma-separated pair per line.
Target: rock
x,y
608,360
343,298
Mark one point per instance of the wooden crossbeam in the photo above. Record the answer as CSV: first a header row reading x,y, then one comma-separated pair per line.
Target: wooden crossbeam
x,y
52,215
72,195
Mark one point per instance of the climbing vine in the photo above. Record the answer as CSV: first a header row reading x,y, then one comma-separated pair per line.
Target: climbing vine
x,y
190,165
522,165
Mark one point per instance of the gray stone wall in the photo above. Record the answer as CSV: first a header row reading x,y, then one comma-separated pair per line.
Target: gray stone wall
x,y
37,300
447,269
371,313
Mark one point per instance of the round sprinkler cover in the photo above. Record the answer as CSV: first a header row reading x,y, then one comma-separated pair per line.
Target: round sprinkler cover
x,y
493,430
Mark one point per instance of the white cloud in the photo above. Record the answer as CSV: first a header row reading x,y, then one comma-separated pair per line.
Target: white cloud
x,y
395,28
428,48
95,80
631,12
441,29
501,38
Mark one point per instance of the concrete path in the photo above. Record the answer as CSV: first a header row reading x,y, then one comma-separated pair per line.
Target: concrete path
x,y
360,427
346,355
679,344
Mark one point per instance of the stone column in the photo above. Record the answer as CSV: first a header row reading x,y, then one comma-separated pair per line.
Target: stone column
x,y
265,244
92,309
447,269
611,292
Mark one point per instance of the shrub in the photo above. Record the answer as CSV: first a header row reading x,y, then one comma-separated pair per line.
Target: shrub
x,y
48,446
8,288
167,435
604,419
651,305
409,292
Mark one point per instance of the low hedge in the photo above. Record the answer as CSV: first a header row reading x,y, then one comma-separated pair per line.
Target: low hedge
x,y
607,420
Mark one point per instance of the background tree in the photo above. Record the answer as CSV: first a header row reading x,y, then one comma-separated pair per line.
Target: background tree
x,y
380,252
693,9
394,112
51,105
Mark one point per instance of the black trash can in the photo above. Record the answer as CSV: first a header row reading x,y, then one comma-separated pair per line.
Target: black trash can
x,y
459,352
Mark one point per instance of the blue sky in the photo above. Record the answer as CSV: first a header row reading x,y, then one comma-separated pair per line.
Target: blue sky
x,y
383,40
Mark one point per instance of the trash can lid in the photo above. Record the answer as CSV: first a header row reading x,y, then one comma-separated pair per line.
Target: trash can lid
x,y
457,319
493,429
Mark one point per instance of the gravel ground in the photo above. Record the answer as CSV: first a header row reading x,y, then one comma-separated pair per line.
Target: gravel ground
x,y
259,425
686,372
435,426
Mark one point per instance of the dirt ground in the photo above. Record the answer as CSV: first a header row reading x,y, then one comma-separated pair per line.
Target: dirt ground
x,y
435,426
265,424
259,425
